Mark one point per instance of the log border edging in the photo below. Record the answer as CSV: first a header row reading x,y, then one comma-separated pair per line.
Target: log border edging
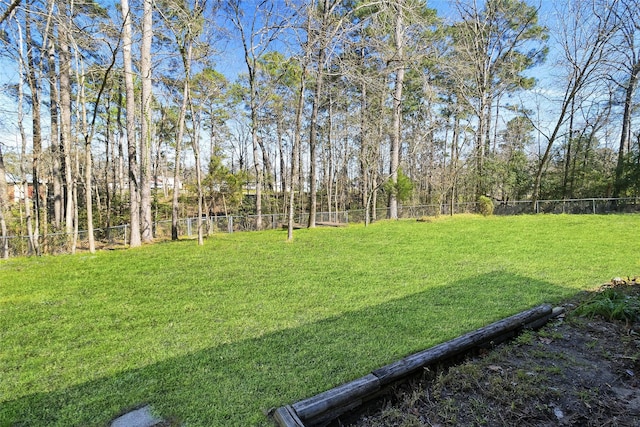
x,y
326,406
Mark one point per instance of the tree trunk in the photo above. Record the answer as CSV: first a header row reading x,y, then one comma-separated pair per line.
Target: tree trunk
x,y
378,162
175,213
295,155
23,155
121,133
4,204
454,162
175,207
146,133
256,157
74,191
65,117
296,159
36,135
394,155
266,162
196,153
87,176
330,174
283,164
109,171
134,206
56,150
481,137
313,142
364,163
313,125
186,60
566,192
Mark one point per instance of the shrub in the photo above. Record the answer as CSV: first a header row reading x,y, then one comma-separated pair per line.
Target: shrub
x,y
485,205
612,305
403,189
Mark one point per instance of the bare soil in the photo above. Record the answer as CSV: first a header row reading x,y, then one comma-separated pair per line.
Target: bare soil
x,y
575,371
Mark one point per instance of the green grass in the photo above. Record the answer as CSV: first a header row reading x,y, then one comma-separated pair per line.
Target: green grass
x,y
217,335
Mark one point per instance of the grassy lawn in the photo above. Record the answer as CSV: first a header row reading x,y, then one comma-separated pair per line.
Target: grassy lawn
x,y
217,335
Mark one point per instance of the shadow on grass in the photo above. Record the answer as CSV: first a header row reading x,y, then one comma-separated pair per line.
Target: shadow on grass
x,y
235,384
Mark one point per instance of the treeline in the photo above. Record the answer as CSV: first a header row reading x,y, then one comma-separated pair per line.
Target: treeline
x,y
130,113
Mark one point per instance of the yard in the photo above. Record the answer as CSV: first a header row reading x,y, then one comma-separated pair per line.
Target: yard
x,y
217,335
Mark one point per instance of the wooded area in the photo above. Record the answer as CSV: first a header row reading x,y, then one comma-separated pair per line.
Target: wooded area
x,y
136,112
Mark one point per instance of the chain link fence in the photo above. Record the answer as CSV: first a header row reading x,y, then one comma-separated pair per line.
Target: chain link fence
x,y
118,236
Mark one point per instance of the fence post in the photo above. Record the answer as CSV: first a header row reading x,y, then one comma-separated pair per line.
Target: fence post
x,y
125,234
537,206
230,224
593,203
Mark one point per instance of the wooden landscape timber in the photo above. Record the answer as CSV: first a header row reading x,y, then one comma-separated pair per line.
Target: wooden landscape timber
x,y
325,407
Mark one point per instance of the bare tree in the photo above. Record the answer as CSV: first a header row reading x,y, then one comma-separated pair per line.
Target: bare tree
x,y
257,34
584,38
493,45
630,70
181,25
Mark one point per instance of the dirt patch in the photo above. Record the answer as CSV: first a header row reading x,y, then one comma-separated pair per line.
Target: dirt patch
x,y
582,369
